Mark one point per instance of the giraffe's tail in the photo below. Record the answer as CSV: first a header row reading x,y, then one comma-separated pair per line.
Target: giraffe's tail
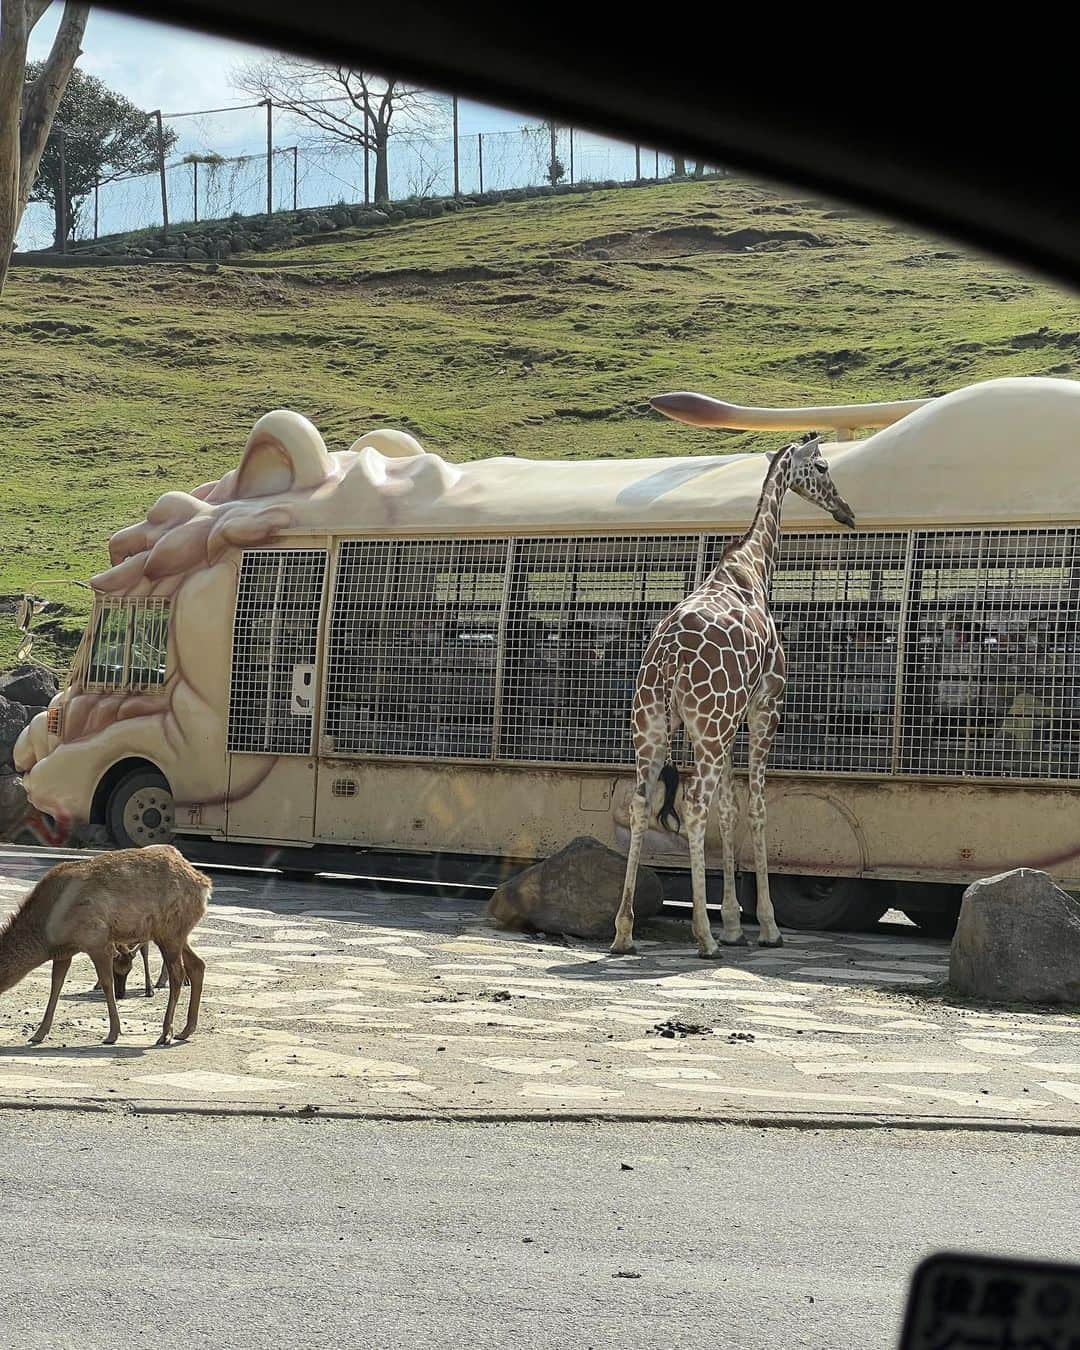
x,y
669,776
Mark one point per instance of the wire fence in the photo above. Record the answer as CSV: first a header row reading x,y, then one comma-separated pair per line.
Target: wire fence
x,y
203,182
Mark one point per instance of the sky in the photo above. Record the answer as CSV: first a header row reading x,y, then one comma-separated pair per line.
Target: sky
x,y
177,70
180,71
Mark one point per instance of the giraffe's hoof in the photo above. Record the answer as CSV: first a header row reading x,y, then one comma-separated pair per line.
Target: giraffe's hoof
x,y
714,954
778,943
629,950
740,941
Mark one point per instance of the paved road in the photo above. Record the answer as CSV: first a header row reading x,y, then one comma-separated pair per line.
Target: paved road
x,y
237,1233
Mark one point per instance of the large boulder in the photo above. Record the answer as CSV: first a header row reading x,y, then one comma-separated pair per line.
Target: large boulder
x,y
13,717
13,805
575,891
1017,941
32,685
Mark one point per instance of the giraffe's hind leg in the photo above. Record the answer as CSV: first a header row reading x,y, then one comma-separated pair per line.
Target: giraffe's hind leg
x,y
649,765
762,721
698,800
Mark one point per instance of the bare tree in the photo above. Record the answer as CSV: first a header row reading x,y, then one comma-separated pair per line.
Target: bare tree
x,y
27,107
344,104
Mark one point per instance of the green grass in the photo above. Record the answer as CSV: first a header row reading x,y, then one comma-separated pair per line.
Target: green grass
x,y
489,331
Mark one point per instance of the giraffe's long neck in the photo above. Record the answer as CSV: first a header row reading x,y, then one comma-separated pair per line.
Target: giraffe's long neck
x,y
756,551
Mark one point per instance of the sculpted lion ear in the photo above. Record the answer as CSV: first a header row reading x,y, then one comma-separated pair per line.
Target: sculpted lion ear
x,y
284,453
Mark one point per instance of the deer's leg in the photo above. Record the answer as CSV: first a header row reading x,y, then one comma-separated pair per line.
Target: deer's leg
x,y
764,716
648,775
193,967
174,963
103,964
59,975
729,818
145,949
698,800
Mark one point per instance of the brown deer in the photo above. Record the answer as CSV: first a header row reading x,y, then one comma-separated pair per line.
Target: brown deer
x,y
97,905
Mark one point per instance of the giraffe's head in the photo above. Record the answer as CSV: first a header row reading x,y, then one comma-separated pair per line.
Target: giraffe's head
x,y
810,477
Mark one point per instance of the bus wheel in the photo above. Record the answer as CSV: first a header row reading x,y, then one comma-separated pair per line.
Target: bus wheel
x,y
828,902
140,810
932,908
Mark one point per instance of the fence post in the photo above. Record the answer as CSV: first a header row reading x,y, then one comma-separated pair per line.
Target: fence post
x,y
571,156
161,171
269,158
637,163
657,174
61,137
294,179
480,156
195,187
96,186
457,157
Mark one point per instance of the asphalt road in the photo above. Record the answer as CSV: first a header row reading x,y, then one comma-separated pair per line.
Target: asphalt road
x,y
126,1231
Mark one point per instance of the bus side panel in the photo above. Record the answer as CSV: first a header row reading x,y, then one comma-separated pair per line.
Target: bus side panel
x,y
456,808
279,807
918,830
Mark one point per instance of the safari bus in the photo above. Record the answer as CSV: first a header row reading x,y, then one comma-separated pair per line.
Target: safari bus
x,y
376,657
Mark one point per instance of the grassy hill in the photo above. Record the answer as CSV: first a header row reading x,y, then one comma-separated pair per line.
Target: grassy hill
x,y
538,327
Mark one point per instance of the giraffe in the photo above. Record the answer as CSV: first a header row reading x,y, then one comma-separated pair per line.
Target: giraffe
x,y
714,660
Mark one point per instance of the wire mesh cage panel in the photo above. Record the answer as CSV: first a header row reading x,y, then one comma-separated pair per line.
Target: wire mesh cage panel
x,y
991,681
130,644
579,616
837,601
275,645
413,648
922,653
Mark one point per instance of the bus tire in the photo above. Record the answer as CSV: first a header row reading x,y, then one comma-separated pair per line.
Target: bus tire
x,y
828,903
139,810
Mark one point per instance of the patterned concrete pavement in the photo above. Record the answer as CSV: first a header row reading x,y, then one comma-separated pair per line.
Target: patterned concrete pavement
x,y
333,995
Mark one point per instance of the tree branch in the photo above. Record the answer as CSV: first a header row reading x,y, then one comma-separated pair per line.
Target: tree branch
x,y
34,10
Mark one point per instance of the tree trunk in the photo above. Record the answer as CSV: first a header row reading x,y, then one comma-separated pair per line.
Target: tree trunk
x,y
382,167
44,95
14,33
678,166
699,169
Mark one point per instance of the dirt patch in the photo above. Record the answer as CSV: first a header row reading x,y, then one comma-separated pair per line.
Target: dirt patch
x,y
687,240
51,329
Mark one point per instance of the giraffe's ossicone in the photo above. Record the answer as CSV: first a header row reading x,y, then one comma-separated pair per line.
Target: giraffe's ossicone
x,y
714,662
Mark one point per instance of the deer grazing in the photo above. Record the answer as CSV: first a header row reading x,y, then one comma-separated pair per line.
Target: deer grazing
x,y
103,905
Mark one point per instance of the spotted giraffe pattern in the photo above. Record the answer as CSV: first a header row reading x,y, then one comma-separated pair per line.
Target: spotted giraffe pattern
x,y
713,662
